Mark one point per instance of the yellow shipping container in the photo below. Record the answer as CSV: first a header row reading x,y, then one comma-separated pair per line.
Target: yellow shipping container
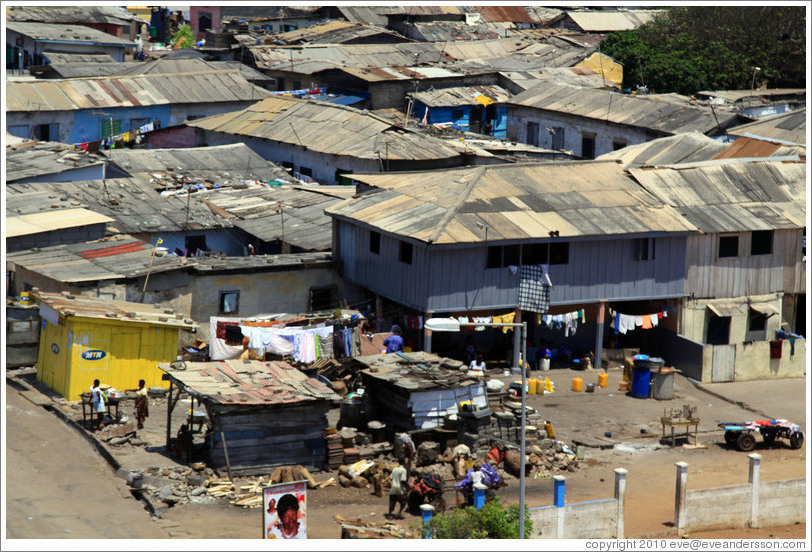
x,y
86,338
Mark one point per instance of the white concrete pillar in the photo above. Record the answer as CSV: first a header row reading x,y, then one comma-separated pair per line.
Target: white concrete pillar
x,y
755,465
559,490
620,496
680,506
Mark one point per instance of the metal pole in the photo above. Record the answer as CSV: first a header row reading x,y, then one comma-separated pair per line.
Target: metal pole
x,y
524,423
169,407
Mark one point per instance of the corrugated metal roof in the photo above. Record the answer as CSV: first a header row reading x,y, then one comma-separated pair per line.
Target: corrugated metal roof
x,y
226,165
787,127
606,21
353,132
24,225
364,14
732,196
71,14
47,32
405,373
305,224
753,147
734,96
664,115
576,76
133,202
513,14
461,95
61,57
34,159
442,31
249,383
686,147
516,202
84,306
107,259
104,92
336,32
164,66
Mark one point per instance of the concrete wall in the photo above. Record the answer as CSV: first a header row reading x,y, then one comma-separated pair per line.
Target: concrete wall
x,y
753,361
718,508
683,354
781,502
750,505
574,127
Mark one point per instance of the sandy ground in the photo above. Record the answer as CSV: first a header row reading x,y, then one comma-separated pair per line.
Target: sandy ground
x,y
632,422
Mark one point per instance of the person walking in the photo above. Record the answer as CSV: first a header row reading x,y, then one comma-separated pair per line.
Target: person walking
x,y
397,491
98,403
141,403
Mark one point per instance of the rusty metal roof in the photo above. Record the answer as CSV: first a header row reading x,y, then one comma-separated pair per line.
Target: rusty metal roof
x,y
512,14
248,383
667,115
353,132
611,21
337,32
515,202
753,147
134,91
578,76
84,306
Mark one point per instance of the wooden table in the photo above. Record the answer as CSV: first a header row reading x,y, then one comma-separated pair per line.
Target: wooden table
x,y
672,423
87,408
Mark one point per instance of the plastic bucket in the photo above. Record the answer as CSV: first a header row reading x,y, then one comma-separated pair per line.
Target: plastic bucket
x,y
603,380
642,362
577,383
641,380
663,388
656,364
545,364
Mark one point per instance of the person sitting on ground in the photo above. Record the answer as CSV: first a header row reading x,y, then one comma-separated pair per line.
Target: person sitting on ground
x,y
477,367
397,491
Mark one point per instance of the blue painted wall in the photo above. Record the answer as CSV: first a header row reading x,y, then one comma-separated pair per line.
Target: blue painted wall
x,y
87,125
230,241
445,115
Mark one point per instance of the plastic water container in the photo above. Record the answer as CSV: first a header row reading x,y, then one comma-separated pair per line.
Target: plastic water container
x,y
577,384
532,387
641,381
603,380
545,364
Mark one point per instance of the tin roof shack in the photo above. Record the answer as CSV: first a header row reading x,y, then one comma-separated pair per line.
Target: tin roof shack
x,y
788,128
418,390
78,111
32,161
83,338
470,107
63,226
268,413
593,122
324,141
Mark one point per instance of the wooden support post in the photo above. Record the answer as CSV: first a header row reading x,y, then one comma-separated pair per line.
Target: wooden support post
x,y
225,453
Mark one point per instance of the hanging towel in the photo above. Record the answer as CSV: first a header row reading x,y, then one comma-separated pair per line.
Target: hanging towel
x,y
508,319
654,320
646,322
617,322
638,321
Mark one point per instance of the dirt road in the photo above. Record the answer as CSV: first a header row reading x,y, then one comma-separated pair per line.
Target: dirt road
x,y
57,485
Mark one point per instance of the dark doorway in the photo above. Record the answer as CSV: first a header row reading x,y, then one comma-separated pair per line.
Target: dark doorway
x,y
718,330
193,243
203,22
475,119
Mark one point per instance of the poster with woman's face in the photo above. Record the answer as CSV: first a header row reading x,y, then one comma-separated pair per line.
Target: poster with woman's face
x,y
285,511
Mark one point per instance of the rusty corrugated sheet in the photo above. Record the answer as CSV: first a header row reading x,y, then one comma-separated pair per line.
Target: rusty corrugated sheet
x,y
254,383
748,147
513,14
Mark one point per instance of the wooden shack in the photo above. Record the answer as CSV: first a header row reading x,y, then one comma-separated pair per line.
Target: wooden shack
x,y
261,414
83,338
417,390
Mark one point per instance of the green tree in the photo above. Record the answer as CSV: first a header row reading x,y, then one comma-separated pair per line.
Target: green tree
x,y
689,49
184,37
492,521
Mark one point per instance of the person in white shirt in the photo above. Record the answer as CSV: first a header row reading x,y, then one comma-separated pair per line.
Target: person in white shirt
x,y
477,366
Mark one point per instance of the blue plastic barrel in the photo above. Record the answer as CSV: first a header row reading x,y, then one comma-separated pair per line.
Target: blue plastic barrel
x,y
641,378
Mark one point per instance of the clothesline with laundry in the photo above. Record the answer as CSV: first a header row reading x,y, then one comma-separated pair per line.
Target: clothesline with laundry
x,y
623,323
110,141
477,321
568,322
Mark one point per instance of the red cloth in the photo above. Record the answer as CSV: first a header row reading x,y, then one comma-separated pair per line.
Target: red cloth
x,y
221,328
